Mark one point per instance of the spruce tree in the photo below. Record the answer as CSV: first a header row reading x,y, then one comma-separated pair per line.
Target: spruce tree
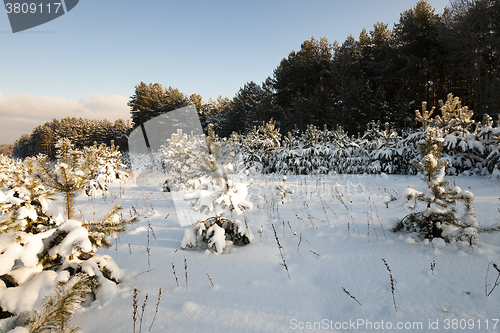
x,y
439,218
67,175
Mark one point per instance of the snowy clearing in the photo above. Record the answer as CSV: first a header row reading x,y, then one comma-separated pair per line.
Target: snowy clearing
x,y
330,240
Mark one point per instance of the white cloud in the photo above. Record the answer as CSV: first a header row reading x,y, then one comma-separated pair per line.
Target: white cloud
x,y
20,113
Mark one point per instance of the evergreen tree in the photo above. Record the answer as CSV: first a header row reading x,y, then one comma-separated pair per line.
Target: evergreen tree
x,y
146,102
151,100
439,219
67,176
247,109
179,158
418,34
300,83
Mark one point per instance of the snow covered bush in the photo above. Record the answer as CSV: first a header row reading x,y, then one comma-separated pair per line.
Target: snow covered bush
x,y
57,308
25,204
215,232
490,136
40,249
461,147
439,218
384,148
66,176
179,158
102,165
259,146
36,256
220,190
313,152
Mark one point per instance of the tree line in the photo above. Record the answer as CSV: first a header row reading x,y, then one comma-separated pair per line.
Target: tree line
x,y
382,75
81,133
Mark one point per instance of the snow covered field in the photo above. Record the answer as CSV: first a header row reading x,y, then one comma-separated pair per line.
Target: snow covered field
x,y
329,240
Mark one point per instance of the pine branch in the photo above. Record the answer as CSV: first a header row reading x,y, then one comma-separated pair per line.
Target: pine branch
x,y
10,224
21,320
59,307
109,226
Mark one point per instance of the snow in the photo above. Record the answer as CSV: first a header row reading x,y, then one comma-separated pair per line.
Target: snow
x,y
439,243
8,258
19,329
33,247
406,195
218,238
50,209
27,212
189,239
23,298
327,245
77,237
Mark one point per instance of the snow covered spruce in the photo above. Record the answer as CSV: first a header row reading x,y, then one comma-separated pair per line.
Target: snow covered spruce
x,y
44,255
210,179
470,147
439,218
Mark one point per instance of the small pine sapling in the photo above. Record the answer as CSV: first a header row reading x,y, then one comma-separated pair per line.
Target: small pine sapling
x,y
218,193
66,176
214,232
111,226
439,218
284,191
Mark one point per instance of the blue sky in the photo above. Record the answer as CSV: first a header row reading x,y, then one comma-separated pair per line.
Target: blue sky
x,y
87,62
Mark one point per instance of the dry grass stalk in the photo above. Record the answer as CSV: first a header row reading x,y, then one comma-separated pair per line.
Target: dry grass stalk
x,y
210,279
300,241
134,305
152,230
282,252
369,218
340,197
315,253
173,270
324,205
156,310
349,294
379,222
497,283
186,270
135,314
142,312
148,250
392,283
